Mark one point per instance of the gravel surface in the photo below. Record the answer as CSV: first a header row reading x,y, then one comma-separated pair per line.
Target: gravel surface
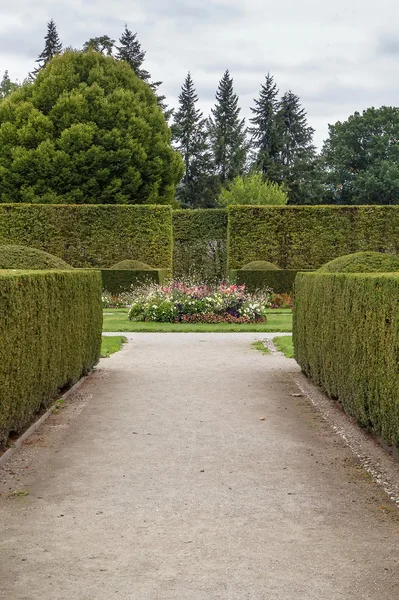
x,y
193,467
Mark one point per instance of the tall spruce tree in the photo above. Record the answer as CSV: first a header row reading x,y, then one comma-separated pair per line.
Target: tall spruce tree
x,y
198,188
265,134
297,155
52,47
130,51
227,132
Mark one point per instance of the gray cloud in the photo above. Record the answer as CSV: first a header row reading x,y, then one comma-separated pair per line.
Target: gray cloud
x,y
338,57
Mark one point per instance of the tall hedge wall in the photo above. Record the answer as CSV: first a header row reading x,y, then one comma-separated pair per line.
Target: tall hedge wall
x,y
50,331
91,235
306,237
346,338
200,238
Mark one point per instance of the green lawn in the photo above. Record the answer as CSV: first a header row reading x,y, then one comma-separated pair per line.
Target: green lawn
x,y
111,344
116,319
284,344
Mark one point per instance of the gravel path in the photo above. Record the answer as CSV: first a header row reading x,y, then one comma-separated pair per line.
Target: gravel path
x,y
189,467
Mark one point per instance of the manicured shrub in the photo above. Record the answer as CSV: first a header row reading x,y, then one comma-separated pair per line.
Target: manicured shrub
x,y
50,331
92,235
131,265
121,281
86,131
259,265
278,280
363,262
22,257
346,338
307,237
200,240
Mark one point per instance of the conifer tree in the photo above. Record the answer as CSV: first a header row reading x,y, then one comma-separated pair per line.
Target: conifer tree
x,y
227,132
130,51
198,186
265,138
297,155
52,46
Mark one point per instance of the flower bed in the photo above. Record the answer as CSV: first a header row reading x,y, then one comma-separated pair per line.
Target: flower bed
x,y
180,302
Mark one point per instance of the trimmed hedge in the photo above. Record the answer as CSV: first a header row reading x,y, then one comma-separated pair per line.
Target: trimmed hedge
x,y
346,338
280,281
131,265
363,262
91,235
260,265
118,281
306,237
200,243
22,257
50,331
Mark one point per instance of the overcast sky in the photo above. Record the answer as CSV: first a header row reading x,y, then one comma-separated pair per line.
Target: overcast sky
x,y
338,56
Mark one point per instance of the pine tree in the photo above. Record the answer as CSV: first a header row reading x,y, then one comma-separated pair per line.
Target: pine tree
x,y
264,131
227,132
297,155
7,86
130,51
52,47
102,44
198,186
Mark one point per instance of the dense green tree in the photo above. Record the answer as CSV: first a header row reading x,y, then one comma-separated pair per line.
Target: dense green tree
x,y
253,189
103,44
227,132
87,130
265,134
361,158
199,187
130,50
297,155
7,86
52,46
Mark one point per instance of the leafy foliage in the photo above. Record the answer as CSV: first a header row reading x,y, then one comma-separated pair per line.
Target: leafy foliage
x,y
252,189
86,131
51,336
361,158
346,339
363,262
22,257
7,86
130,50
103,44
278,280
227,133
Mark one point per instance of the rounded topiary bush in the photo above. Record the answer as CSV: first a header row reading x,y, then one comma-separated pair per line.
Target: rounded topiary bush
x,y
23,257
132,265
363,262
260,265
